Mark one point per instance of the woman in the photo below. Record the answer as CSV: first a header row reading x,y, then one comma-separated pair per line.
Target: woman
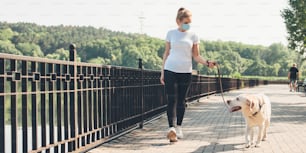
x,y
181,46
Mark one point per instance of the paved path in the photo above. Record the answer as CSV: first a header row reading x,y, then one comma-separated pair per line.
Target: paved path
x,y
209,128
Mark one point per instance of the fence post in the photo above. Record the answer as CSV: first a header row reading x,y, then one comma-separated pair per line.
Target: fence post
x,y
2,106
73,98
142,102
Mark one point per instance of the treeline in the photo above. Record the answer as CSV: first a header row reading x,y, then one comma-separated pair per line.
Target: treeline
x,y
103,46
238,59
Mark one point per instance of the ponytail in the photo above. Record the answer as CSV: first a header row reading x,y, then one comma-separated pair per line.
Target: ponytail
x,y
182,13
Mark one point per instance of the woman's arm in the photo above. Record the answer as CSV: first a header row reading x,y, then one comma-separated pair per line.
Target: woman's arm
x,y
165,56
198,58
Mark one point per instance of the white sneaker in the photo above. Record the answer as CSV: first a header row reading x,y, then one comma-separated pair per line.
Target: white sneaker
x,y
179,132
172,135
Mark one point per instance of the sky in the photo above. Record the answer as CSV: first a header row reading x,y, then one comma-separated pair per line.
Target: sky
x,y
255,22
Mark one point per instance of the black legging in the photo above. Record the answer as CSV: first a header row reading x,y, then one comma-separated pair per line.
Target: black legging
x,y
177,85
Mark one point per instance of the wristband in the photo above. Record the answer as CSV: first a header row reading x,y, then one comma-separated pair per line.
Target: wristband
x,y
207,62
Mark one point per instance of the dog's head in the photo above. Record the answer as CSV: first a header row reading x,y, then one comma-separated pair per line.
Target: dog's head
x,y
244,103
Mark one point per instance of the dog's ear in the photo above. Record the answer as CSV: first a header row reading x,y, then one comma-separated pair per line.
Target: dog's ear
x,y
250,103
261,101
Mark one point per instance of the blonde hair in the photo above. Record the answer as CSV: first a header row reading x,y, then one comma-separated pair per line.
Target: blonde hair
x,y
182,13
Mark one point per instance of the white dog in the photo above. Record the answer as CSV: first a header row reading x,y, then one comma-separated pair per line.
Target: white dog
x,y
256,110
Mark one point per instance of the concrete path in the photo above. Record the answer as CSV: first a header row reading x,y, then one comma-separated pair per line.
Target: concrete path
x,y
209,128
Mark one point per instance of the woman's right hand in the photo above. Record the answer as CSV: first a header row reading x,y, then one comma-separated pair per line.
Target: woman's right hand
x,y
162,79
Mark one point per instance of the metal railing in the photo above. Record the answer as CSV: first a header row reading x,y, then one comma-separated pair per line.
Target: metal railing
x,y
64,106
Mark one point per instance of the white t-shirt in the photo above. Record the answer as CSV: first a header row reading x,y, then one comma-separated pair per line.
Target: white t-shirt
x,y
180,57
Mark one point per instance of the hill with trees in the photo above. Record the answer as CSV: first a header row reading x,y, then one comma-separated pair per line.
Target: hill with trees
x,y
103,46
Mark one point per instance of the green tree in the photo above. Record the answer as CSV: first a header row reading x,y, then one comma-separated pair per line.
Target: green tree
x,y
259,67
99,60
130,56
8,47
6,34
275,69
30,49
59,54
295,20
275,53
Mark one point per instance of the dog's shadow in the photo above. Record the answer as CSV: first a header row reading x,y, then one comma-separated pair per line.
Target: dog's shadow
x,y
217,147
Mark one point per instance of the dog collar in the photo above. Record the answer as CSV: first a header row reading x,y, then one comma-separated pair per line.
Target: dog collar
x,y
258,110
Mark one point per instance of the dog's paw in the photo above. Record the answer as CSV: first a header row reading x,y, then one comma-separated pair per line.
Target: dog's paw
x,y
264,139
258,145
247,145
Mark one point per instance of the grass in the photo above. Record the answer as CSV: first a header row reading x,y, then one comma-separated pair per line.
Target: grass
x,y
270,78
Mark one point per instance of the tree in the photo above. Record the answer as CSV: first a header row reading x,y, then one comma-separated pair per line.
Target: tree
x,y
30,49
59,54
295,20
8,47
130,56
276,53
275,69
6,34
99,60
259,67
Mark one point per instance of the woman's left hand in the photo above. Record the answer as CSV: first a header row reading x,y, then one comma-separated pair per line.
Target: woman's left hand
x,y
212,64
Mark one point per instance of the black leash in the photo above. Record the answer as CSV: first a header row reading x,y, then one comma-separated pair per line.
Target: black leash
x,y
221,88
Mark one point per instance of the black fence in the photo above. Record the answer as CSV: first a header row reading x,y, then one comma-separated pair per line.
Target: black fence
x,y
64,106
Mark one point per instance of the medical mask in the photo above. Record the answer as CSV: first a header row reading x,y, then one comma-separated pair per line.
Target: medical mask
x,y
185,26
